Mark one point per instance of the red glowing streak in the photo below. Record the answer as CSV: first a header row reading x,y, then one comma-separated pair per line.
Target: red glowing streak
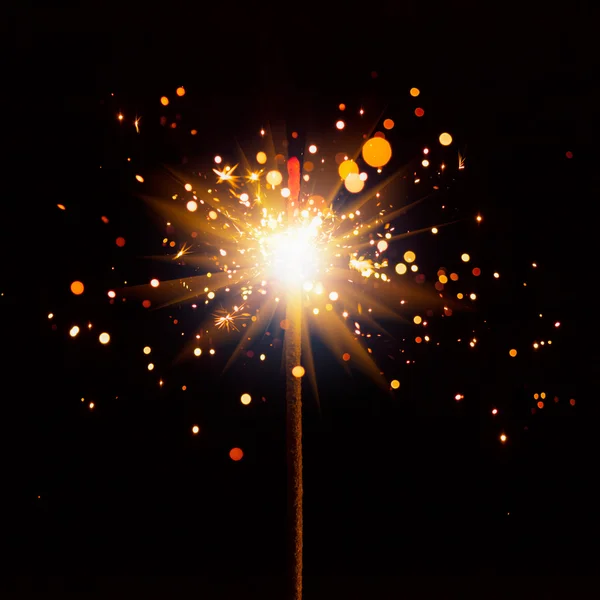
x,y
293,167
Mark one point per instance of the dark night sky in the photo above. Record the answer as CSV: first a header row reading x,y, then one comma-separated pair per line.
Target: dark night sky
x,y
401,493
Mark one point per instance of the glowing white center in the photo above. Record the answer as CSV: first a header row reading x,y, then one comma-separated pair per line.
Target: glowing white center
x,y
293,255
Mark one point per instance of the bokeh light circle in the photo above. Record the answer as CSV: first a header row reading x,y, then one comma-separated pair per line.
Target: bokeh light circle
x,y
274,178
347,167
298,371
445,139
77,288
354,183
377,152
236,454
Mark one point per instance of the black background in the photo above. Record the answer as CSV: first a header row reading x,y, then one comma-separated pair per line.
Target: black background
x,y
402,494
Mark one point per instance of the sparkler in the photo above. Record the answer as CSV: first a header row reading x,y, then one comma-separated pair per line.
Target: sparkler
x,y
284,247
310,251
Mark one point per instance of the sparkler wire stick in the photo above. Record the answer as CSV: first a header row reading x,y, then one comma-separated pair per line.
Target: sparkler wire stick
x,y
293,393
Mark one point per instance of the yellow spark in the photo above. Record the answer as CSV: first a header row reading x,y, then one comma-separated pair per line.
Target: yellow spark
x,y
182,251
227,175
362,265
226,320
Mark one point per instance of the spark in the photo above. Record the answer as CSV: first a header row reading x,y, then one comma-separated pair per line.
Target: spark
x,y
227,175
227,319
183,251
363,266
